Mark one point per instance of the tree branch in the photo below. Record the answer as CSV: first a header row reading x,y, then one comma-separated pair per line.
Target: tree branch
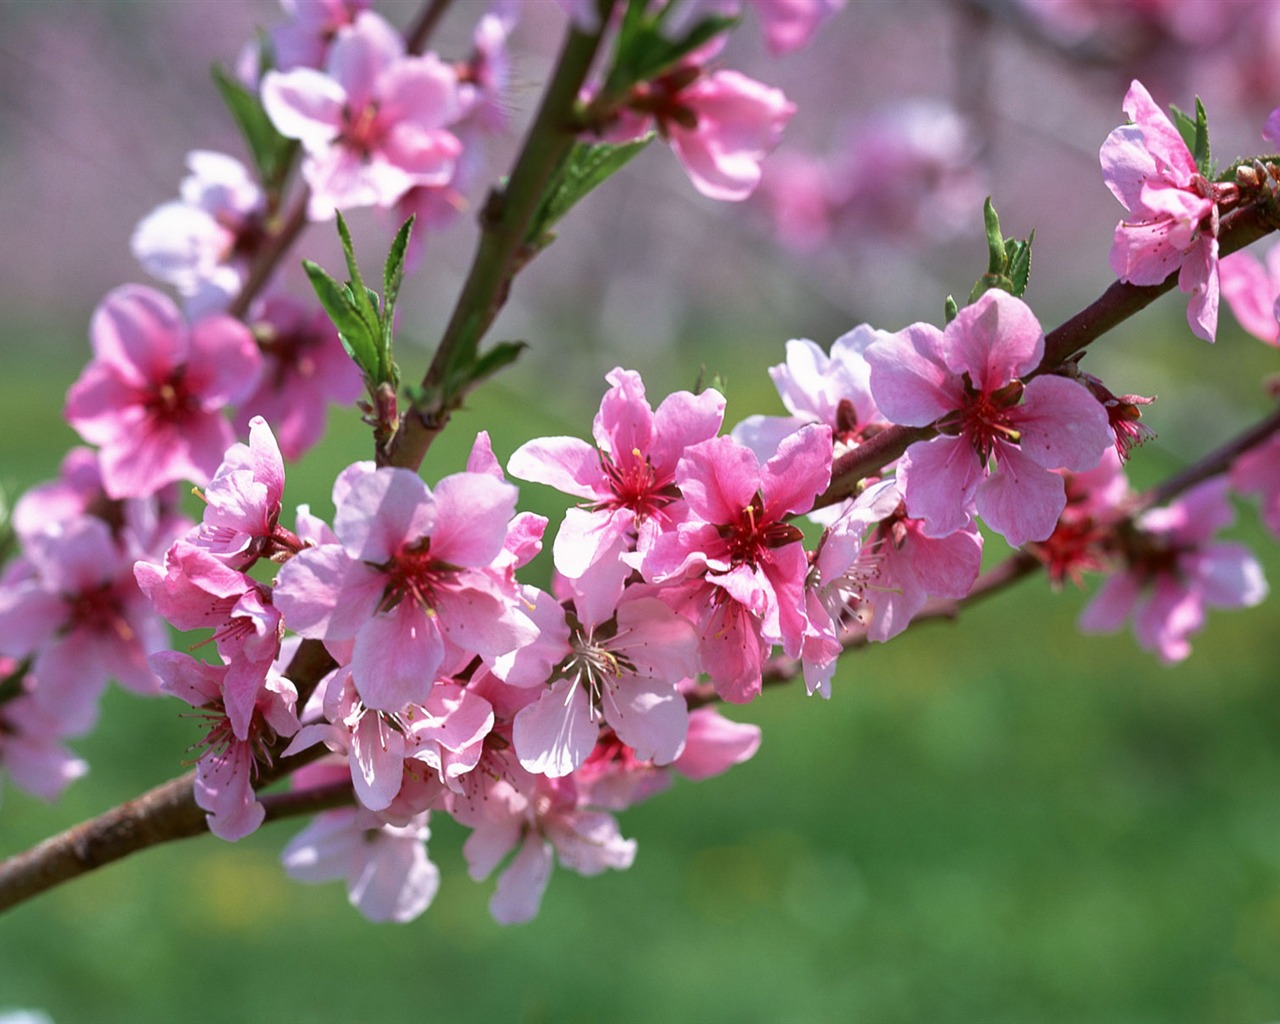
x,y
500,253
1240,228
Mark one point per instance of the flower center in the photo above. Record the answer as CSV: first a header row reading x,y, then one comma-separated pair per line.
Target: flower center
x,y
170,400
750,536
985,418
416,575
635,485
363,133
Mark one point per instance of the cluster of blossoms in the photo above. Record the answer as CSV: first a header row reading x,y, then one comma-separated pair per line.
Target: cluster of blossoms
x,y
396,650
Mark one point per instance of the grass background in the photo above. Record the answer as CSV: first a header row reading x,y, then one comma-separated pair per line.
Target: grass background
x,y
996,819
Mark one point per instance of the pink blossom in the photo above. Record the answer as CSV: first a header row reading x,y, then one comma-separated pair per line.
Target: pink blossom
x,y
1257,471
411,582
1271,130
202,243
304,39
225,771
485,79
1252,290
629,480
388,874
790,25
151,399
735,566
31,750
966,379
72,607
1173,571
623,668
819,388
906,171
1096,502
447,733
551,823
900,566
194,589
838,576
143,527
373,124
721,125
304,367
1173,222
372,741
242,501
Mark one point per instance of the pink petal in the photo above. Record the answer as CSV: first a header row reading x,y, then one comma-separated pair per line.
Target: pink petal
x,y
568,464
554,735
140,334
939,478
472,513
715,744
1062,425
396,656
1021,500
377,761
650,716
520,887
994,340
909,377
306,105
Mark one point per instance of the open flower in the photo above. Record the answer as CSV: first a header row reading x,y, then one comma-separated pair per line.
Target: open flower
x,y
152,397
966,379
1174,570
1173,221
373,124
413,580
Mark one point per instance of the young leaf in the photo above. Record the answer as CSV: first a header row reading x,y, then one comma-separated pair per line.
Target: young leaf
x,y
995,239
1195,133
501,355
1019,264
645,53
361,345
586,166
367,301
393,270
270,150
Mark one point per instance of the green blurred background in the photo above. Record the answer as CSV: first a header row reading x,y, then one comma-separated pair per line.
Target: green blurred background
x,y
995,819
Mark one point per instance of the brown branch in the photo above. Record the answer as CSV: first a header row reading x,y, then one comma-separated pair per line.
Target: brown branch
x,y
419,33
278,244
166,813
1118,303
1218,461
297,802
501,252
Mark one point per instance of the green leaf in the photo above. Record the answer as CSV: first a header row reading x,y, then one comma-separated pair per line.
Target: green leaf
x,y
361,344
1018,264
366,299
499,356
949,310
270,150
1008,259
586,166
393,270
1195,133
648,54
995,239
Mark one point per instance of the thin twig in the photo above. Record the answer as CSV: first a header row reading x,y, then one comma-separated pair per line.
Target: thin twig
x,y
505,218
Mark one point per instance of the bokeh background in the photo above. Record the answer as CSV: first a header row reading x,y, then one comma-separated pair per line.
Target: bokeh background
x,y
996,819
